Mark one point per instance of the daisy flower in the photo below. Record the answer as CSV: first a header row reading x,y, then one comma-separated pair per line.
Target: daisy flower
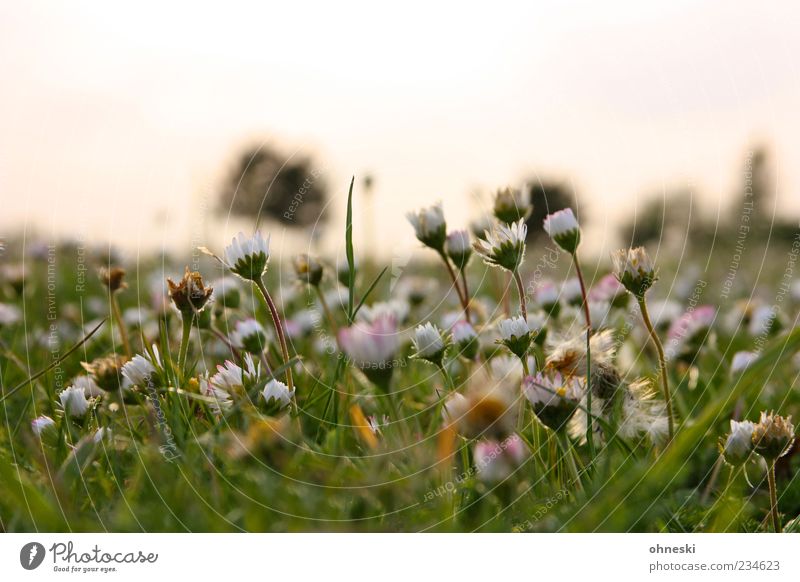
x,y
430,226
504,245
563,228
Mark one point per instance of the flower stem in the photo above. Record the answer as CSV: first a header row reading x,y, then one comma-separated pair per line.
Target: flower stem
x,y
447,377
328,314
466,293
126,344
276,322
773,497
587,317
188,319
521,291
454,279
662,364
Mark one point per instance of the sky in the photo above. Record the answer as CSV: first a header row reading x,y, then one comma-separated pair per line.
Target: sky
x,y
119,122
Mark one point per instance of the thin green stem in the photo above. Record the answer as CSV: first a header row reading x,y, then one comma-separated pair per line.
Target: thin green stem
x,y
466,292
773,498
278,325
454,279
126,344
187,331
587,317
521,290
662,364
327,311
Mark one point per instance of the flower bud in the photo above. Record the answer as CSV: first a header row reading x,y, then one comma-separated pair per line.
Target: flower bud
x,y
634,269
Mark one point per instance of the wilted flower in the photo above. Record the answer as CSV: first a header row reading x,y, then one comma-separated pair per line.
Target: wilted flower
x,y
250,336
496,460
429,343
563,228
372,347
568,356
113,278
634,269
466,339
511,204
504,245
643,413
773,435
515,335
189,295
106,371
459,248
277,393
247,257
140,369
308,269
554,398
430,226
74,402
737,447
487,408
42,423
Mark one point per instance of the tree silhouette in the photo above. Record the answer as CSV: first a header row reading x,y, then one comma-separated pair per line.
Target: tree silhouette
x,y
264,182
548,196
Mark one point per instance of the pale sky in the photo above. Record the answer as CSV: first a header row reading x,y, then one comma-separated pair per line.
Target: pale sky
x,y
118,123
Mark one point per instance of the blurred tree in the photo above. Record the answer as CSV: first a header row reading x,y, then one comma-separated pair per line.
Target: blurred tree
x,y
547,197
670,213
264,182
757,200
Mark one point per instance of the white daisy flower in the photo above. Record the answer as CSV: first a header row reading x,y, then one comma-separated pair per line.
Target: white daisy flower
x,y
634,269
139,371
372,347
9,314
742,361
513,204
459,247
496,461
563,228
276,392
221,400
231,377
504,245
74,402
249,335
430,226
247,257
739,444
429,343
41,424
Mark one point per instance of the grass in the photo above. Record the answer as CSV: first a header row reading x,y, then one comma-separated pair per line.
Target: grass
x,y
170,463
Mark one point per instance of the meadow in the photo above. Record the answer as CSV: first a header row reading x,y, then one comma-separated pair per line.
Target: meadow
x,y
496,384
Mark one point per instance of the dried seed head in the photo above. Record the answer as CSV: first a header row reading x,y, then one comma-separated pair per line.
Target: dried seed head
x,y
113,278
773,435
189,295
106,371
